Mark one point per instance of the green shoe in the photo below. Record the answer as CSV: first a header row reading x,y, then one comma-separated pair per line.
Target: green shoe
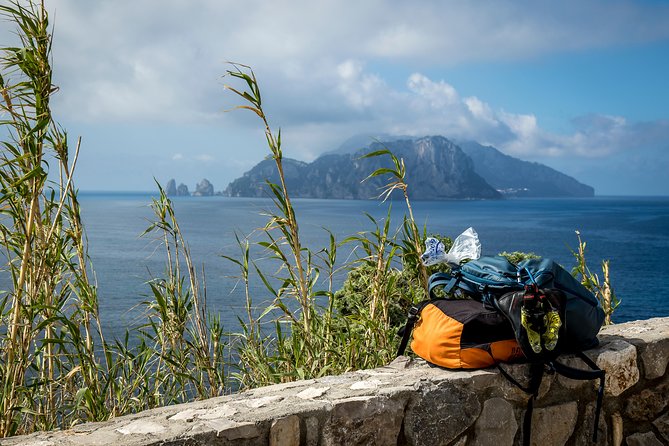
x,y
552,323
532,336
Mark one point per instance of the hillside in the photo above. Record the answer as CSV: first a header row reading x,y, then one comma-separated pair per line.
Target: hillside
x,y
515,177
437,169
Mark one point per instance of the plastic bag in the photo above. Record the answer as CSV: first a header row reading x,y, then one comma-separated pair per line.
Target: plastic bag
x,y
465,246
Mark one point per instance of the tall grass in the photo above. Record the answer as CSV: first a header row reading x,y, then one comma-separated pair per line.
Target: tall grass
x,y
412,246
49,312
56,367
601,288
187,339
298,336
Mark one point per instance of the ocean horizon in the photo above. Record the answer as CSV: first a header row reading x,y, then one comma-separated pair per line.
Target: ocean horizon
x,y
632,232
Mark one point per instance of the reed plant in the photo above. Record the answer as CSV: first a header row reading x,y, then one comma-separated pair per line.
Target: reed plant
x,y
413,240
300,334
49,310
182,349
601,288
56,367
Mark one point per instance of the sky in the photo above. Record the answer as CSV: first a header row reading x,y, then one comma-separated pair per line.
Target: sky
x,y
579,85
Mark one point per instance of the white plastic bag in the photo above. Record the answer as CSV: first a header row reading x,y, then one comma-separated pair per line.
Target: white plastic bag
x,y
465,246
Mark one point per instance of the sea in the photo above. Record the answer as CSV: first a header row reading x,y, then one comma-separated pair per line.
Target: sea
x,y
631,232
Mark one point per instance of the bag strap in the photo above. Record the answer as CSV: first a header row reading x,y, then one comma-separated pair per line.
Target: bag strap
x,y
587,375
451,280
405,332
532,389
448,281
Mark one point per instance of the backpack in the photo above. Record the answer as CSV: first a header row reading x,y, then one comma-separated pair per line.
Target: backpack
x,y
548,311
489,278
461,334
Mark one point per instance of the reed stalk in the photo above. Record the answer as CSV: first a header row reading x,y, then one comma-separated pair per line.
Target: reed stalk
x,y
413,249
49,313
602,289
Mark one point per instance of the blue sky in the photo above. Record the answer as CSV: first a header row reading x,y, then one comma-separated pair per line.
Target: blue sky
x,y
578,85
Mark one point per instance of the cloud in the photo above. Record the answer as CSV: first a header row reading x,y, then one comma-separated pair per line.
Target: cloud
x,y
329,69
204,158
161,60
429,106
200,158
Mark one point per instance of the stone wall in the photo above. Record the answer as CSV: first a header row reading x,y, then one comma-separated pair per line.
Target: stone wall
x,y
411,403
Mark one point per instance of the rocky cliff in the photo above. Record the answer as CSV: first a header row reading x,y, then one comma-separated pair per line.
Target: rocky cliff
x,y
436,169
514,177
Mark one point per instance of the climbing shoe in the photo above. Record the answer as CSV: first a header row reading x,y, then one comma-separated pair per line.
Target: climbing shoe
x,y
533,337
552,323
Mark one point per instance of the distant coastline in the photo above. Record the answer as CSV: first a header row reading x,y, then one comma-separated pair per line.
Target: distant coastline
x,y
101,192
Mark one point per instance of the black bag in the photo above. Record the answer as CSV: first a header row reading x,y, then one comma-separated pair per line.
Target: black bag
x,y
550,313
489,278
539,320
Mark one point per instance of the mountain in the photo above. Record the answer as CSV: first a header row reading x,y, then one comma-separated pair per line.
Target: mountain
x,y
436,169
514,177
363,140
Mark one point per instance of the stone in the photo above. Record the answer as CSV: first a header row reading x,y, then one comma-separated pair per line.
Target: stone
x,y
256,403
645,439
496,425
651,337
585,429
216,426
182,191
647,404
401,363
574,384
655,358
461,442
662,425
365,420
312,427
141,426
241,431
504,388
370,384
618,359
223,411
187,415
39,443
457,406
101,437
554,424
285,432
312,393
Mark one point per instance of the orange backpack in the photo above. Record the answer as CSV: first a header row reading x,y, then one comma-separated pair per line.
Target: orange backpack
x,y
460,334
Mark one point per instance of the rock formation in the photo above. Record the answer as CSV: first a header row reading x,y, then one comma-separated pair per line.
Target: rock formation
x,y
204,189
436,169
171,188
182,191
